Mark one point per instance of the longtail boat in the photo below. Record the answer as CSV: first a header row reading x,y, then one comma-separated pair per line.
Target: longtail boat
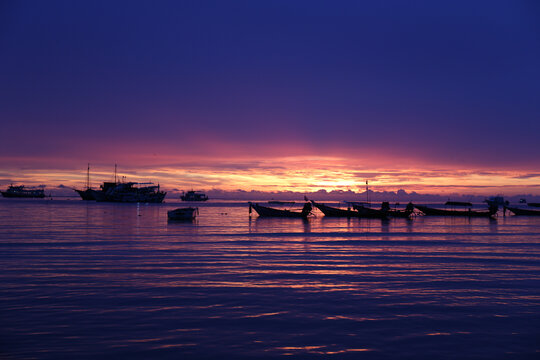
x,y
520,211
470,213
367,212
265,211
337,212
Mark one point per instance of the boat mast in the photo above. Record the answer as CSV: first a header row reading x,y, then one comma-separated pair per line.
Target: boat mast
x,y
88,177
367,192
115,174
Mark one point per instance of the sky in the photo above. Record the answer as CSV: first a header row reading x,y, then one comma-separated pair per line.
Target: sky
x,y
425,96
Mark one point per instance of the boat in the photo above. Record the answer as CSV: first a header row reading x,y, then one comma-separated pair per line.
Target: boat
x,y
534,204
88,193
265,211
406,213
335,212
368,212
469,213
130,192
331,211
188,213
521,211
192,195
21,192
279,202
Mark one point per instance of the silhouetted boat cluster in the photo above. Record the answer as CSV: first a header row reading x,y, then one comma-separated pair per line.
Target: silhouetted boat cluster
x,y
22,192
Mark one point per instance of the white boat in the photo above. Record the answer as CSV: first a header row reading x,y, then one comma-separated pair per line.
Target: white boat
x,y
188,213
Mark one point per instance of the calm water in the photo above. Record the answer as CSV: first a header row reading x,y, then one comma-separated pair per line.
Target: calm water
x,y
86,280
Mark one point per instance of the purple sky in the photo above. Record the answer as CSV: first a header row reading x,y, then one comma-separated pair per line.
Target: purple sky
x,y
421,83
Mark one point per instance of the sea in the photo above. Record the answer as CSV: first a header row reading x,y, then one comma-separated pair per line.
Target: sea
x,y
87,280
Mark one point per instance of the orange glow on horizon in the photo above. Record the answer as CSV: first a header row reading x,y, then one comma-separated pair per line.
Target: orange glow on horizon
x,y
301,174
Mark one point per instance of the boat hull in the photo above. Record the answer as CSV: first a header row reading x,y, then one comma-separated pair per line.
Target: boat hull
x,y
467,213
87,194
523,212
337,212
264,211
183,214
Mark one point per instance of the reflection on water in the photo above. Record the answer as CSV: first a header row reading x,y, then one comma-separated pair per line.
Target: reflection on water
x,y
83,279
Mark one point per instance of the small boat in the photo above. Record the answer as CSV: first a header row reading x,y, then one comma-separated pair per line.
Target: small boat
x,y
188,213
406,213
21,192
534,204
192,195
279,202
521,211
265,211
469,213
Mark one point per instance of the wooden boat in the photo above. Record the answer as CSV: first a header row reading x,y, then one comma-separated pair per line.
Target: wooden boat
x,y
188,213
367,212
265,211
521,211
470,213
335,212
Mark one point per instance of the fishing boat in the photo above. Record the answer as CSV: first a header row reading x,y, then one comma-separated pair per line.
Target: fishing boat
x,y
265,211
188,213
331,211
469,213
406,213
21,192
192,195
88,193
521,211
335,212
367,212
130,192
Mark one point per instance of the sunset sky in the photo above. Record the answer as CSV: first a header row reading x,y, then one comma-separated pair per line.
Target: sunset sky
x,y
425,96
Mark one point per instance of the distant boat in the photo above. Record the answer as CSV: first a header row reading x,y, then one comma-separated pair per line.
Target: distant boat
x,y
279,202
526,212
192,195
264,211
496,200
188,213
21,192
88,193
130,192
469,213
